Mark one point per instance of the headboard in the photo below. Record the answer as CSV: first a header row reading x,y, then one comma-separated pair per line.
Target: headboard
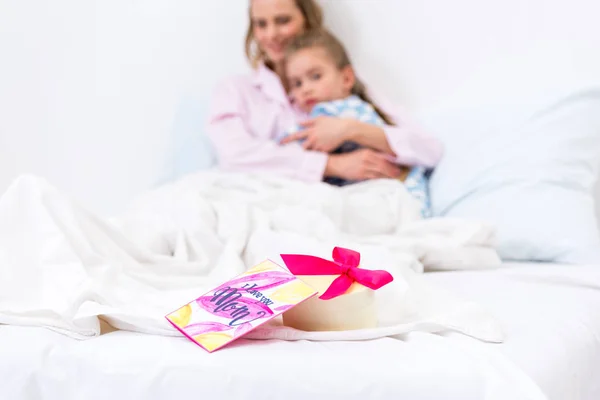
x,y
107,99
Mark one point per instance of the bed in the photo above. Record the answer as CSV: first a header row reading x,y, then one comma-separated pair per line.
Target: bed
x,y
549,312
517,107
51,347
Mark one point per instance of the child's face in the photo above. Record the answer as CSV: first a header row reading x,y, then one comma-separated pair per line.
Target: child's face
x,y
313,77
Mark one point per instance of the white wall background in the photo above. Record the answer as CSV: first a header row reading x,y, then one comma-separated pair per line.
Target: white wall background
x,y
107,98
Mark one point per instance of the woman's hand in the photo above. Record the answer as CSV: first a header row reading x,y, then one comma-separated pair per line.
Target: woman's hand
x,y
328,133
322,133
361,165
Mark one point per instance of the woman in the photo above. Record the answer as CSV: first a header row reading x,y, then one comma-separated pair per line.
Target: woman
x,y
249,112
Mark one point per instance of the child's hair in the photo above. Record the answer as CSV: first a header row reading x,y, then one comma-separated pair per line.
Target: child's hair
x,y
334,48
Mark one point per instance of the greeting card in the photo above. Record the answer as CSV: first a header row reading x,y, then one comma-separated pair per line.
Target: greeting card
x,y
238,306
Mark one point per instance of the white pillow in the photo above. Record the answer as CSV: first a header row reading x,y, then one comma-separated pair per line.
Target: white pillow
x,y
529,170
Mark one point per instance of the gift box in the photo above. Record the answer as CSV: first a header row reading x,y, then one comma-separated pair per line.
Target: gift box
x,y
347,292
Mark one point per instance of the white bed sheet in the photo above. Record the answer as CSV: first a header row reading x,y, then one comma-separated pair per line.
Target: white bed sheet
x,y
551,317
550,314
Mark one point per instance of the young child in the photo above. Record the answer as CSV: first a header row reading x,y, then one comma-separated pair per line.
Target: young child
x,y
318,60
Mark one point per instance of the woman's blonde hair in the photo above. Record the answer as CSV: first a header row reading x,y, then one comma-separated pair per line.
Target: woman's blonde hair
x,y
335,49
313,19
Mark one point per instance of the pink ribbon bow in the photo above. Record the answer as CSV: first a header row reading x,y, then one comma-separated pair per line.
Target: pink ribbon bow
x,y
345,264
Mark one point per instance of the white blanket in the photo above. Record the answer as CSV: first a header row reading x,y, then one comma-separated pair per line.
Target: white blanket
x,y
63,267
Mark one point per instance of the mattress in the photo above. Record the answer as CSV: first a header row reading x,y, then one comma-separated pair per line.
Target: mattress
x,y
550,315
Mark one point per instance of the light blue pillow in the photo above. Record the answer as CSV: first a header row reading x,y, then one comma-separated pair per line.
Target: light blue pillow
x,y
191,150
530,170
